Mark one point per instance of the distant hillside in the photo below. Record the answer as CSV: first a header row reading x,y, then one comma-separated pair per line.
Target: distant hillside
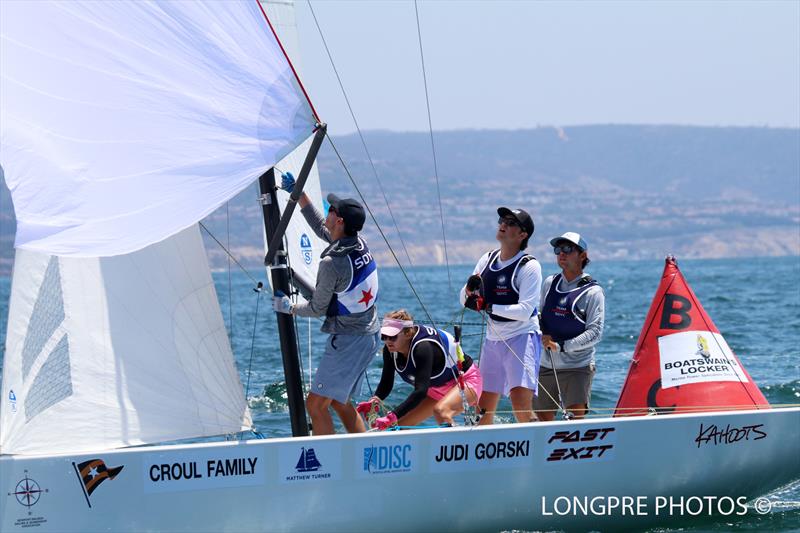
x,y
634,191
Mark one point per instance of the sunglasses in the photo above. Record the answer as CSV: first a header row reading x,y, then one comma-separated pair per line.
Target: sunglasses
x,y
566,248
386,338
332,209
508,221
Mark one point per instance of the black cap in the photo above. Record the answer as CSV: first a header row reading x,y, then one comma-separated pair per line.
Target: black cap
x,y
349,210
521,216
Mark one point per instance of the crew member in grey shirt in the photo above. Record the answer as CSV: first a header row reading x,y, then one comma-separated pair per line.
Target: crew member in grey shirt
x,y
345,293
572,316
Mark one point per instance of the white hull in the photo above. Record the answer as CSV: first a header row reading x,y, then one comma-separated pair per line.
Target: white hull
x,y
406,488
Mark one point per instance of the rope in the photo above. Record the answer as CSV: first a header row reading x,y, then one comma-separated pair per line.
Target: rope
x,y
253,340
254,280
433,148
360,134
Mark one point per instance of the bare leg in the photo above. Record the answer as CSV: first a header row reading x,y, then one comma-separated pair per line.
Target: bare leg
x,y
488,402
349,417
317,407
545,416
521,401
418,414
578,410
451,405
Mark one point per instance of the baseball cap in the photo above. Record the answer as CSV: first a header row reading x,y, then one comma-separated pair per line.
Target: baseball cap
x,y
521,216
350,210
574,238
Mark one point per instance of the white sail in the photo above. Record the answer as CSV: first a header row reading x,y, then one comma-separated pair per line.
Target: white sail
x,y
126,122
303,245
117,351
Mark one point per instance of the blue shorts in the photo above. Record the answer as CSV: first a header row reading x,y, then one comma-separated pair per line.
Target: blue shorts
x,y
343,365
511,363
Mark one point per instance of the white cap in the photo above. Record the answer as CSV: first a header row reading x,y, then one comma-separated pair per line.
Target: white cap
x,y
574,238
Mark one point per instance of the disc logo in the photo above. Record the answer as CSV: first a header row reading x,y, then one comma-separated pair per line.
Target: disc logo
x,y
306,249
387,459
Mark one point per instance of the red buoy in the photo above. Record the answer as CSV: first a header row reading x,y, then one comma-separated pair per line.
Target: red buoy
x,y
681,362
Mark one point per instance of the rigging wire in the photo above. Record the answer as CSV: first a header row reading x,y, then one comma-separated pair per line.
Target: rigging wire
x,y
360,135
230,255
433,148
230,290
294,294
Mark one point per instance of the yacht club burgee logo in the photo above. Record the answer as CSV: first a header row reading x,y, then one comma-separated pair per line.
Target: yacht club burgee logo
x,y
92,473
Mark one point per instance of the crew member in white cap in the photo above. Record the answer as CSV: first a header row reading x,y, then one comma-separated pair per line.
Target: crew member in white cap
x,y
572,325
428,359
505,285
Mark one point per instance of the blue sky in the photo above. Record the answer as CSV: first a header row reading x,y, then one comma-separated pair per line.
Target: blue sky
x,y
522,64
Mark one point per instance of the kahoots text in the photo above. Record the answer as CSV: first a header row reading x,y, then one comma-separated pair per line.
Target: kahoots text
x,y
213,468
483,450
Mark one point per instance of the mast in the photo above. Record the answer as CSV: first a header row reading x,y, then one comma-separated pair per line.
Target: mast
x,y
275,225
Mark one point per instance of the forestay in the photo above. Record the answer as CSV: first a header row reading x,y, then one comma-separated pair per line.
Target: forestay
x,y
126,122
117,351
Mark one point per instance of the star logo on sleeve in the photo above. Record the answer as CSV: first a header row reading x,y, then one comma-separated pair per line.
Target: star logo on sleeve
x,y
366,296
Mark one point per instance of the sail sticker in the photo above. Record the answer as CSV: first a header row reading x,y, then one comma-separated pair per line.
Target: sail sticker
x,y
12,400
306,249
514,450
309,463
183,471
386,459
697,357
580,445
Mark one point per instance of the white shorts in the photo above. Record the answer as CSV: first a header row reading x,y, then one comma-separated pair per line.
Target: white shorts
x,y
511,363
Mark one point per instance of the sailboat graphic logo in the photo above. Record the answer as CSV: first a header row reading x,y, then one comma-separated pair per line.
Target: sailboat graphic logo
x,y
308,461
305,248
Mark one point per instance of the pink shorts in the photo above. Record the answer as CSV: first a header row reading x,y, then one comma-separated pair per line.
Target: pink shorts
x,y
472,379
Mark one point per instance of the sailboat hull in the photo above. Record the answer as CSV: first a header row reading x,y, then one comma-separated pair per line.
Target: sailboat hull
x,y
566,474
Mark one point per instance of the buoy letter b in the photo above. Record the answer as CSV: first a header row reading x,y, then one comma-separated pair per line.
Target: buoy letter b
x,y
675,306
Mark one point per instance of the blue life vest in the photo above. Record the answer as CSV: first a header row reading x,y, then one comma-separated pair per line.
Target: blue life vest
x,y
559,319
362,291
445,365
497,286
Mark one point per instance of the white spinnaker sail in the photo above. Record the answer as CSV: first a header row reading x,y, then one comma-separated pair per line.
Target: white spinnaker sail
x,y
303,244
125,122
117,351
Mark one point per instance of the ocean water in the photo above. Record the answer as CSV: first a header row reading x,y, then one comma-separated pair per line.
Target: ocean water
x,y
760,324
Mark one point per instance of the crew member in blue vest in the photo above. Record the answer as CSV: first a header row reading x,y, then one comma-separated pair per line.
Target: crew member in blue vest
x,y
345,294
428,359
505,284
572,319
